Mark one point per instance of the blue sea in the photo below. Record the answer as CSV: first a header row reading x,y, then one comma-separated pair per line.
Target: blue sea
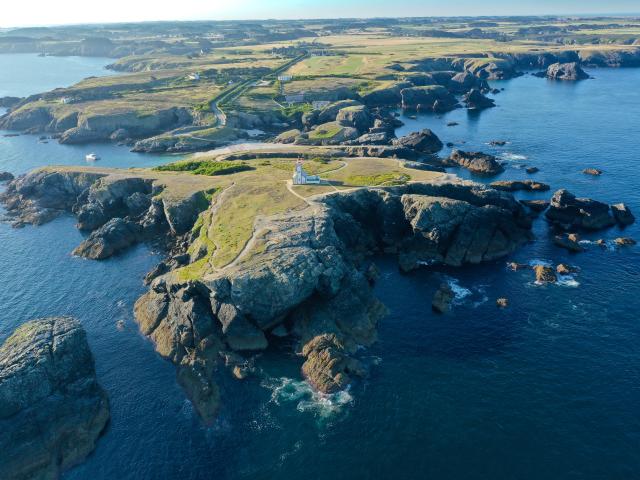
x,y
546,388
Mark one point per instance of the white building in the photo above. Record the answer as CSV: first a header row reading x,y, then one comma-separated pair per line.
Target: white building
x,y
194,76
296,98
300,177
285,78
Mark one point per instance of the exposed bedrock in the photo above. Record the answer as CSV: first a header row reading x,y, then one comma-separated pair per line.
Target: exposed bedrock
x,y
476,162
117,209
566,71
52,409
568,212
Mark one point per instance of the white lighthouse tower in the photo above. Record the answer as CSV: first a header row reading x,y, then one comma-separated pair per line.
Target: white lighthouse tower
x,y
300,177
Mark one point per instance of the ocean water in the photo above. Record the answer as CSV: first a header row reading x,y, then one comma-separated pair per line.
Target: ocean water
x,y
547,388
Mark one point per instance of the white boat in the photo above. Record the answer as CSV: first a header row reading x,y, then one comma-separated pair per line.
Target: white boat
x,y
92,157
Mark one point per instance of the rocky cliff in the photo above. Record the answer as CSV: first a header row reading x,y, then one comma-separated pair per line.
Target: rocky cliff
x,y
52,409
303,275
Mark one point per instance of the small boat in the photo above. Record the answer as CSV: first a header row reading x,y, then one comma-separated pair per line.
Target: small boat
x,y
92,157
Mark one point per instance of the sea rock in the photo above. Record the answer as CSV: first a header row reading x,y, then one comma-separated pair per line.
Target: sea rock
x,y
475,100
545,274
622,241
531,170
537,206
497,143
6,177
424,141
52,409
564,269
114,236
476,162
502,302
592,171
569,241
442,299
517,266
465,81
622,214
568,212
566,71
515,185
328,367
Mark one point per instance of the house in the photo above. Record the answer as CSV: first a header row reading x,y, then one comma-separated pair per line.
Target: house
x,y
300,177
285,78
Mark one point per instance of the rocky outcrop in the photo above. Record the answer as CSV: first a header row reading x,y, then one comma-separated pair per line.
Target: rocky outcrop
x,y
430,98
328,367
536,206
9,102
568,241
113,237
357,117
515,185
476,162
442,299
424,141
6,177
475,100
545,274
52,409
592,171
622,214
569,212
566,71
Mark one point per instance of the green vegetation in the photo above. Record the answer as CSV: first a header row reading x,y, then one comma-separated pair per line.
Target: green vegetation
x,y
326,131
211,168
379,179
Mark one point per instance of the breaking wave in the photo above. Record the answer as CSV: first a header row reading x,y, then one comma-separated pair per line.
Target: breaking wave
x,y
288,390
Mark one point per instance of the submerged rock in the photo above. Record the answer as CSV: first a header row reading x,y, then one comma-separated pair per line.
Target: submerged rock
x,y
52,409
502,302
567,211
570,241
531,170
6,177
537,206
442,299
622,241
476,162
592,171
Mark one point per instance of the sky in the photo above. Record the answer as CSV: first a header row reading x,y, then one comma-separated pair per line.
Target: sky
x,y
15,13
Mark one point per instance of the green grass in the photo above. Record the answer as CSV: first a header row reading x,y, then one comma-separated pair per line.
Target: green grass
x,y
327,130
378,179
205,167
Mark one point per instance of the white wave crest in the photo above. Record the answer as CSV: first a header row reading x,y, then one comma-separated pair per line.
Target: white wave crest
x,y
285,390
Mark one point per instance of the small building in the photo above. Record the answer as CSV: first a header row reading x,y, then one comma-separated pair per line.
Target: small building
x,y
194,76
285,78
300,177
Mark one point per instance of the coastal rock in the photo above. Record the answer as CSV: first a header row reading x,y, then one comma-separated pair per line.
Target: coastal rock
x,y
328,367
113,237
6,177
465,81
531,170
592,171
475,100
624,241
442,299
476,162
433,97
537,206
569,241
515,185
622,214
567,211
357,117
564,269
424,141
502,302
566,71
545,274
52,409
514,266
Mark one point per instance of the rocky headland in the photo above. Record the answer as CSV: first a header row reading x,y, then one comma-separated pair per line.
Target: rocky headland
x,y
52,409
309,264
